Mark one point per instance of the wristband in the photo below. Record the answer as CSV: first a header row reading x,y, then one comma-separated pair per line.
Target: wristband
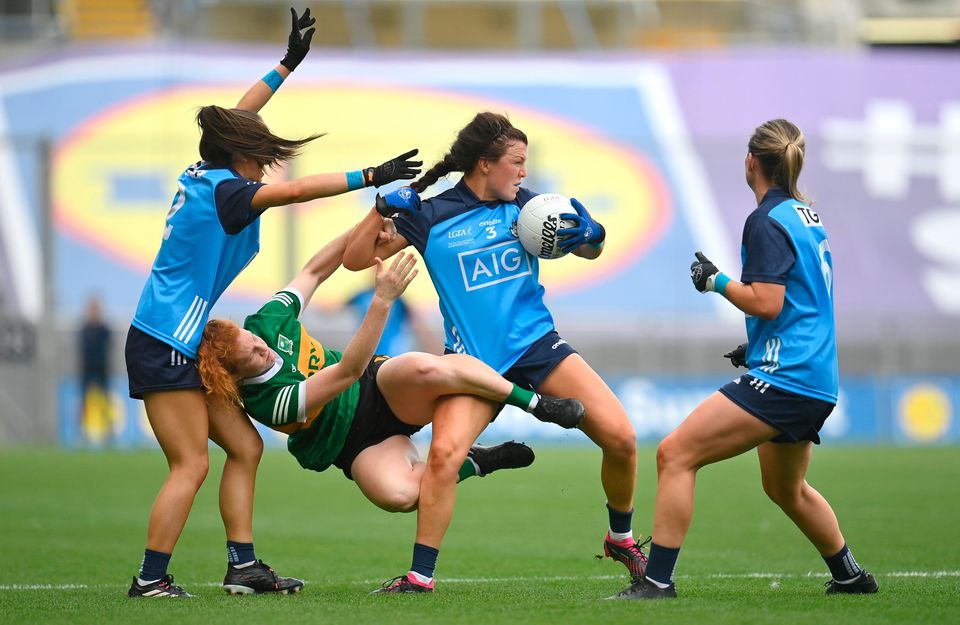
x,y
354,180
598,245
273,80
720,283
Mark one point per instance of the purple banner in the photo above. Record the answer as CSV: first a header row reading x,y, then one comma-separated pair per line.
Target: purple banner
x,y
882,166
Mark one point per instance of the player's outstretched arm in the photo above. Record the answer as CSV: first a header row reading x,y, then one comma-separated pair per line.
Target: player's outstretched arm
x,y
325,185
376,236
391,281
320,267
758,299
298,44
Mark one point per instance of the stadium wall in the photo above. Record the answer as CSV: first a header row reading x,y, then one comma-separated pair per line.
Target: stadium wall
x,y
900,410
653,145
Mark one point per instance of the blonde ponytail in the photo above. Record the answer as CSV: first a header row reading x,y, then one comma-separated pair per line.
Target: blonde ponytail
x,y
779,145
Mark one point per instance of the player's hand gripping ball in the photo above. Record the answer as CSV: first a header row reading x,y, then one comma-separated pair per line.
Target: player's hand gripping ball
x,y
539,223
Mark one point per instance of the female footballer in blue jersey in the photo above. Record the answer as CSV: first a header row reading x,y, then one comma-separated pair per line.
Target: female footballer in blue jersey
x,y
779,406
212,232
356,410
492,305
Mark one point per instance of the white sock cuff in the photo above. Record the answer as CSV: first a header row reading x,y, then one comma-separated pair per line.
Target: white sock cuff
x,y
420,578
620,537
533,402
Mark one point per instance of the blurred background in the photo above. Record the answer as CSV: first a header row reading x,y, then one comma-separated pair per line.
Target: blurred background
x,y
639,108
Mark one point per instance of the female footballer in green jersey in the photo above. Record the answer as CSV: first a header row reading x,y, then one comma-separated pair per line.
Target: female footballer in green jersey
x,y
355,410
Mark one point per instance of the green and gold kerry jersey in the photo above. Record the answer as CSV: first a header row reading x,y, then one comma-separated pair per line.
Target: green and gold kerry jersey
x,y
277,396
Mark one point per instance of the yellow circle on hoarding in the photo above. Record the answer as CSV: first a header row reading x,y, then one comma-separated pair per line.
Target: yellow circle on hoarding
x,y
925,413
154,136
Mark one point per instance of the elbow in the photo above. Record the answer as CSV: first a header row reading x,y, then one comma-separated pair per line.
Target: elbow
x,y
352,369
354,260
353,263
769,311
296,192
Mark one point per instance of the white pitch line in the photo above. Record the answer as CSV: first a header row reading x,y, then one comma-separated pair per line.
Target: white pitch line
x,y
555,578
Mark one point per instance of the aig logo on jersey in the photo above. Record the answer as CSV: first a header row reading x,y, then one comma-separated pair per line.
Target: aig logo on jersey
x,y
808,216
493,265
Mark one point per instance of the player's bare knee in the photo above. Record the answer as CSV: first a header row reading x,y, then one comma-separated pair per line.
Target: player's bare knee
x,y
253,450
247,450
624,445
442,459
619,441
669,455
402,499
786,496
429,371
191,470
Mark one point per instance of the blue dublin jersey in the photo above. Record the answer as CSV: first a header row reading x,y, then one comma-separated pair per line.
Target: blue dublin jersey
x,y
784,242
490,295
211,233
396,338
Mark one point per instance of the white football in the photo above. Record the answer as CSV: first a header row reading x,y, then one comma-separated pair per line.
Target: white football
x,y
539,221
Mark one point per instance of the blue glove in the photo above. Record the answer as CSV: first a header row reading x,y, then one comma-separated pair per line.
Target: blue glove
x,y
404,201
585,230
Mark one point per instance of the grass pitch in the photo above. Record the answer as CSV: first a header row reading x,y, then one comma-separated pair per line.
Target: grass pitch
x,y
520,550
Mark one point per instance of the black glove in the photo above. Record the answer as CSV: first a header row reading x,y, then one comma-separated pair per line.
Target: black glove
x,y
298,44
400,168
738,355
703,273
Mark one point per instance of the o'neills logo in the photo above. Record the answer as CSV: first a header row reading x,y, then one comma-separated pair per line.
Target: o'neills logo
x,y
548,235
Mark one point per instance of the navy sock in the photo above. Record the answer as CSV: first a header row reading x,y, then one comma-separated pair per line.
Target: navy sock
x,y
240,553
154,565
842,565
424,560
620,522
663,561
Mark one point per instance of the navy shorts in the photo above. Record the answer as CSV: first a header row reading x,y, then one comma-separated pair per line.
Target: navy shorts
x,y
536,363
373,421
539,360
152,365
797,417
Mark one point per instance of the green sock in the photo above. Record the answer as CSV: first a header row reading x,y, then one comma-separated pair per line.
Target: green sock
x,y
521,398
468,469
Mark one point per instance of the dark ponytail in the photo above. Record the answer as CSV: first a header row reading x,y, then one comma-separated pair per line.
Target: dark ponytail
x,y
486,136
435,173
225,133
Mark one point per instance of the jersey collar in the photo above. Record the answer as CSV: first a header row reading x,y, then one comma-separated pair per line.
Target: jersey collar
x,y
266,375
470,199
774,196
